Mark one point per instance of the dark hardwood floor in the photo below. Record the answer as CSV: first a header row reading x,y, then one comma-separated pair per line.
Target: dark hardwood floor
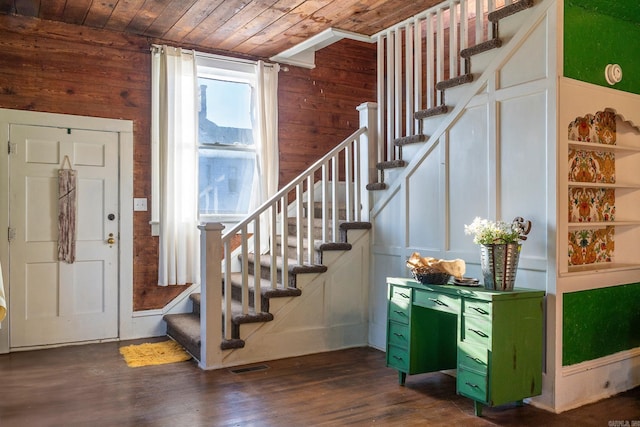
x,y
91,385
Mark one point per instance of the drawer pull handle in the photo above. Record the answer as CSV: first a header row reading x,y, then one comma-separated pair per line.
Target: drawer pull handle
x,y
472,385
482,334
437,301
397,357
399,313
403,295
480,310
398,334
475,359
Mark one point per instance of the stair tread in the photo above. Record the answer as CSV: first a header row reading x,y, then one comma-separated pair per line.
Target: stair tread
x,y
374,186
391,164
430,112
455,81
292,265
188,327
410,139
266,289
481,47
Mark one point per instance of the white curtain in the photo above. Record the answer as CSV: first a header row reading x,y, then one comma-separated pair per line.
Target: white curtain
x,y
266,133
267,129
175,123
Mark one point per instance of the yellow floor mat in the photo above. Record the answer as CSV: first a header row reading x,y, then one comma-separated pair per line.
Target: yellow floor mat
x,y
157,353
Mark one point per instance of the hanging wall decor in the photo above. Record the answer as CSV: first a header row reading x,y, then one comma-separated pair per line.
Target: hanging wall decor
x,y
67,212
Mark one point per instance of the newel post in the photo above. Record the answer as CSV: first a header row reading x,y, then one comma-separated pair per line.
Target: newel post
x,y
368,157
210,295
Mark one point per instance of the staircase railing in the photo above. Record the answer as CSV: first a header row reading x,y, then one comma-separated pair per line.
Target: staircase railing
x,y
430,44
340,176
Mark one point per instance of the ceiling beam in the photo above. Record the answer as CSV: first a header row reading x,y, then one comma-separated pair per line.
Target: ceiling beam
x,y
303,54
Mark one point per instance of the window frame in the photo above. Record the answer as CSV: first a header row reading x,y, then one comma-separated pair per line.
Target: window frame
x,y
216,67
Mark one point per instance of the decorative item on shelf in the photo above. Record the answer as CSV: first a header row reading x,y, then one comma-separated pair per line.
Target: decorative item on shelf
x,y
433,271
499,249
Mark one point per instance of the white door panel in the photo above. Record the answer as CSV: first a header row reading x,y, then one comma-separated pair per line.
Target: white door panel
x,y
54,302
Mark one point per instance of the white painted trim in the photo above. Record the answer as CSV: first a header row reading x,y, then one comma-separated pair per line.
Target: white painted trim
x,y
303,54
602,361
125,149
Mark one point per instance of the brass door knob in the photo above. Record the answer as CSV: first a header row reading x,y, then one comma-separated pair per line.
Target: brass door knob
x,y
111,240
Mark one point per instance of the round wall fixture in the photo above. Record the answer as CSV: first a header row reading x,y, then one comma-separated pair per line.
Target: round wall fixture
x,y
613,73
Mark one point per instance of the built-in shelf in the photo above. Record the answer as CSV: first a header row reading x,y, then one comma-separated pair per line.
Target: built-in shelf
x,y
603,147
604,185
601,224
601,267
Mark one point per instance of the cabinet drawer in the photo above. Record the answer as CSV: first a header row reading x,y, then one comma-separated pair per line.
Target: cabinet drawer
x,y
398,335
399,304
399,312
473,357
476,330
401,294
477,308
398,358
472,384
436,301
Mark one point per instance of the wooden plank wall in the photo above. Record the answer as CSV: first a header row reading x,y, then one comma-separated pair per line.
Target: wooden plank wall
x,y
60,68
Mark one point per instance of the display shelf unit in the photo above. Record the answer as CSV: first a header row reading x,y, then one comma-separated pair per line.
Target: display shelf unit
x,y
600,201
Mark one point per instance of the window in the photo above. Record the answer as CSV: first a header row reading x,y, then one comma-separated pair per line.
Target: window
x,y
226,148
235,102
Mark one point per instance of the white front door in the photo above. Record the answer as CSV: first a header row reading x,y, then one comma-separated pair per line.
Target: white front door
x,y
51,301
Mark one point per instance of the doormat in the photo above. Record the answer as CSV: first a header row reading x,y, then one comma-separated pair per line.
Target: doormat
x,y
158,353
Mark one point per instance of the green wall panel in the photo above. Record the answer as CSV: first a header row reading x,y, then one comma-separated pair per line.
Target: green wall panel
x,y
600,322
592,40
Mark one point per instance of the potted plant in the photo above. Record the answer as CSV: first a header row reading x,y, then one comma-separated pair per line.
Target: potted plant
x,y
499,249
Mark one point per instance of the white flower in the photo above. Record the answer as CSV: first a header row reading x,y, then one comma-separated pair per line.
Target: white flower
x,y
487,232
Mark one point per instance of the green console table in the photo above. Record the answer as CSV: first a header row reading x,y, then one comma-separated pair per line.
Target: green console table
x,y
492,338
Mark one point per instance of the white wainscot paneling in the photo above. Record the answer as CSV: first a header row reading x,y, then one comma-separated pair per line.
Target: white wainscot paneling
x,y
383,266
425,204
389,222
468,168
523,166
529,63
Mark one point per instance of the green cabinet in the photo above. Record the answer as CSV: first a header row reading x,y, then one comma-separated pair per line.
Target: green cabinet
x,y
493,338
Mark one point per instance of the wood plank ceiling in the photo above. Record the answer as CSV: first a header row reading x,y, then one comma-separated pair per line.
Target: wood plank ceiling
x,y
256,28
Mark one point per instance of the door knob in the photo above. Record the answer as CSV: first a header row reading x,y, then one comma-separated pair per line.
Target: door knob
x,y
111,240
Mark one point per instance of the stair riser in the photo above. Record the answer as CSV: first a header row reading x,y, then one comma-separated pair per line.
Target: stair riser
x,y
430,124
454,94
236,294
317,213
408,153
292,253
317,230
265,273
481,61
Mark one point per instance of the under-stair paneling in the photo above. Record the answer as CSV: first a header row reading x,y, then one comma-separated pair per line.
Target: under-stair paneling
x,y
523,174
391,221
388,253
383,265
330,314
346,293
425,225
497,162
530,62
470,164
